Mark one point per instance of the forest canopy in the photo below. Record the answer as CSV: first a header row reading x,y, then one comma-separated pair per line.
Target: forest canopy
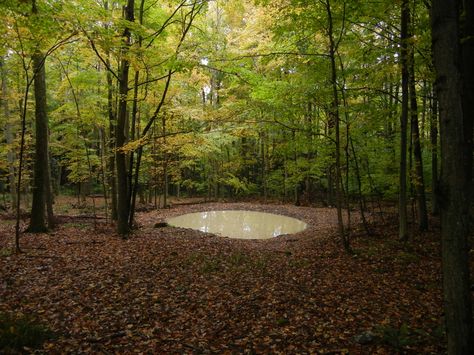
x,y
218,98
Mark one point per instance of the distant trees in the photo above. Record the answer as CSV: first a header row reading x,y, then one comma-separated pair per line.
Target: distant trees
x,y
28,30
296,100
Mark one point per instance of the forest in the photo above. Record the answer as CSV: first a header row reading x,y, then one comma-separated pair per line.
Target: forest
x,y
355,117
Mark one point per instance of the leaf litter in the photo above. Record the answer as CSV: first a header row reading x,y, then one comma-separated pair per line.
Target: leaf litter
x,y
172,290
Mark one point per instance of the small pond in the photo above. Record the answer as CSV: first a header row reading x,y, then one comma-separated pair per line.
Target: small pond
x,y
239,224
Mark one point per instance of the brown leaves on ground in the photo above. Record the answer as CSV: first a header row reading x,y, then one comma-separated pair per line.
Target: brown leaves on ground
x,y
169,290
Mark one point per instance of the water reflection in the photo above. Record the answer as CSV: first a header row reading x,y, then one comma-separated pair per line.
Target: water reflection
x,y
239,224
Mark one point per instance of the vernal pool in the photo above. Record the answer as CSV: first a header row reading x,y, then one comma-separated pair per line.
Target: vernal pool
x,y
239,224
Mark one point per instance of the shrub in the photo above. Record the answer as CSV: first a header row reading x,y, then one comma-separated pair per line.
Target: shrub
x,y
18,332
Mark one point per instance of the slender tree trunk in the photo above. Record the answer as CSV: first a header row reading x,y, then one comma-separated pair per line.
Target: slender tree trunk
x,y
9,137
134,184
123,202
335,117
402,203
455,174
133,188
48,190
38,208
348,139
165,162
434,157
149,125
110,164
264,165
467,48
103,172
42,199
359,189
24,106
424,106
111,180
419,180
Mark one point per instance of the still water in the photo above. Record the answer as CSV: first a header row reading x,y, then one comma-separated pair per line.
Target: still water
x,y
239,224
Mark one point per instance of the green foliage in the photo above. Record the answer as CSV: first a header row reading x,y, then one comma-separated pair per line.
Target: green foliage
x,y
248,106
238,259
210,265
396,337
405,257
19,332
238,186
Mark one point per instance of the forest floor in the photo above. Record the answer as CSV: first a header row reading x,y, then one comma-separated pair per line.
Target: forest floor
x,y
170,290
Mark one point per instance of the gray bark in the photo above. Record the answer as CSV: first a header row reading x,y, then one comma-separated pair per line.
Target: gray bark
x,y
9,136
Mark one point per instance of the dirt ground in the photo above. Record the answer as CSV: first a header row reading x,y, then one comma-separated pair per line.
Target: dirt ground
x,y
170,290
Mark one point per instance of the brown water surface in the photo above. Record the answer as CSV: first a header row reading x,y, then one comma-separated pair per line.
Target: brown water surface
x,y
239,224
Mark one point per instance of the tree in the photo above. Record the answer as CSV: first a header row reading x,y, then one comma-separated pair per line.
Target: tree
x,y
418,179
335,119
41,174
402,199
42,195
9,137
451,59
123,203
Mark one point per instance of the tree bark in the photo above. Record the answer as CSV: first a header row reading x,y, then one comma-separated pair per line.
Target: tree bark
x,y
123,202
111,111
467,50
41,178
134,185
434,157
418,178
111,179
402,199
165,162
9,137
455,175
334,112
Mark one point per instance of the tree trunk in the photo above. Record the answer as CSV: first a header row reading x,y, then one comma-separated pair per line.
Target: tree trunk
x,y
110,163
359,189
134,184
111,180
41,178
334,113
133,188
402,202
123,202
455,175
49,192
434,157
9,137
418,178
467,48
165,162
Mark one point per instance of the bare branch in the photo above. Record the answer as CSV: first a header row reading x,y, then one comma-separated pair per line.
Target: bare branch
x,y
224,72
96,51
154,79
257,55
